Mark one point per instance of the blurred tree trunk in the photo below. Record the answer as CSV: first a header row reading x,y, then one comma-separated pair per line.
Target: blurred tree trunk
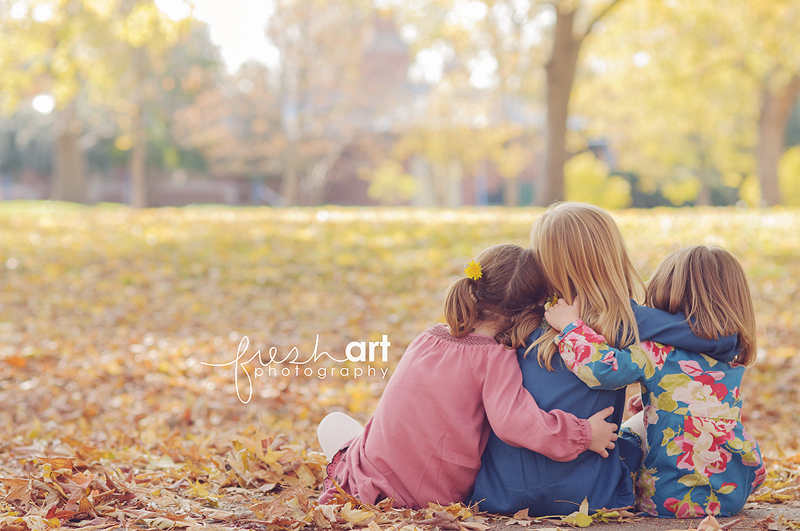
x,y
560,71
289,185
420,169
704,194
560,75
705,172
138,161
776,107
69,177
511,191
454,194
314,184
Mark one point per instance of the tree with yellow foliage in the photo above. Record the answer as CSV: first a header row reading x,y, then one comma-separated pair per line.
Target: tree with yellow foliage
x,y
97,53
696,95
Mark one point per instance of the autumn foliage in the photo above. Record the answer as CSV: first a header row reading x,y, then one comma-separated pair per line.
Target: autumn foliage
x,y
108,317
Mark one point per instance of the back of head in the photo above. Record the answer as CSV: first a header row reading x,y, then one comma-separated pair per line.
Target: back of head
x,y
709,286
582,253
506,294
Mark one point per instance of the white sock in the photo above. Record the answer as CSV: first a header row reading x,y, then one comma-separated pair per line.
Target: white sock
x,y
636,424
335,430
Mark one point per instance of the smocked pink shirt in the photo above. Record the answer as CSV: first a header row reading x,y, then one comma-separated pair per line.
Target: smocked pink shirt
x,y
425,440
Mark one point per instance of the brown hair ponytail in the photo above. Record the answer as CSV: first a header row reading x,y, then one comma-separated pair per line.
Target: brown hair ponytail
x,y
520,327
460,309
507,294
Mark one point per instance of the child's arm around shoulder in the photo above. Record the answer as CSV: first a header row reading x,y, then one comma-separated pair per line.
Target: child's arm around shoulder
x,y
517,419
587,353
673,329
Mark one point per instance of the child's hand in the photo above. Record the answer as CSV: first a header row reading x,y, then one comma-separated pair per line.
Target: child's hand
x,y
561,314
634,405
603,433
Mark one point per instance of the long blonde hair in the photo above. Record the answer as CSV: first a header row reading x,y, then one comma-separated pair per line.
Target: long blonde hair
x,y
709,286
505,295
582,253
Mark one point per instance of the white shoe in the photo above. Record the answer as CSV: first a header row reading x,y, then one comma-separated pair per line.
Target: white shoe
x,y
335,430
636,424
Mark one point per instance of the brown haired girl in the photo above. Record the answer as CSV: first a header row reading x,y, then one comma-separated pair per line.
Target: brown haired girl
x,y
699,459
453,385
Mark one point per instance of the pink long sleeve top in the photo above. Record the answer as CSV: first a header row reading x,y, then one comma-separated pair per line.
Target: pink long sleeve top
x,y
425,440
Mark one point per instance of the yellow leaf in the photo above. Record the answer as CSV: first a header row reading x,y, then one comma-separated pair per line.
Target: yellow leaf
x,y
306,477
199,490
583,520
458,510
580,517
354,516
271,459
85,505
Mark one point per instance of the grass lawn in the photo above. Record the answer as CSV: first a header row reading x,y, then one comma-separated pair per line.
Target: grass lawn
x,y
107,316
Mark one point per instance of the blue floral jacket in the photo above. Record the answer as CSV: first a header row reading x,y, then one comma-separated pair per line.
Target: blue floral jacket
x,y
700,460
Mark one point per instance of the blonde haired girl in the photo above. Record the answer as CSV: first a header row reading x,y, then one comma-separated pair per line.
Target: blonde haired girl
x,y
453,385
582,254
699,459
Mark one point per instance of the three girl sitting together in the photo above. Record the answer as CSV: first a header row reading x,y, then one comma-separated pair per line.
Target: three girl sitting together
x,y
488,409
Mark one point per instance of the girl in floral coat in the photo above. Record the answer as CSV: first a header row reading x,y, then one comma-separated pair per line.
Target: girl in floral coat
x,y
698,457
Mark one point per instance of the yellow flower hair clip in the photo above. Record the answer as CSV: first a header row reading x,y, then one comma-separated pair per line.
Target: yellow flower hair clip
x,y
473,270
550,301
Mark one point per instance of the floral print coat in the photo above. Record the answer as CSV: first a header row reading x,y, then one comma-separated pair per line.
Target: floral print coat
x,y
700,458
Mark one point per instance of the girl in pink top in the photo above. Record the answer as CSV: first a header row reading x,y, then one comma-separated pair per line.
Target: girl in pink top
x,y
453,385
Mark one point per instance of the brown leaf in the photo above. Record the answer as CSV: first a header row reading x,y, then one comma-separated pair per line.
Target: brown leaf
x,y
20,489
57,463
320,519
438,521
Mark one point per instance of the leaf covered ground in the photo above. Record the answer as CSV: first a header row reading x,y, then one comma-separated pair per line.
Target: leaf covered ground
x,y
111,417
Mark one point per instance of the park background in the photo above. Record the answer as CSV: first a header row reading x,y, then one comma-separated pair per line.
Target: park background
x,y
380,148
429,103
